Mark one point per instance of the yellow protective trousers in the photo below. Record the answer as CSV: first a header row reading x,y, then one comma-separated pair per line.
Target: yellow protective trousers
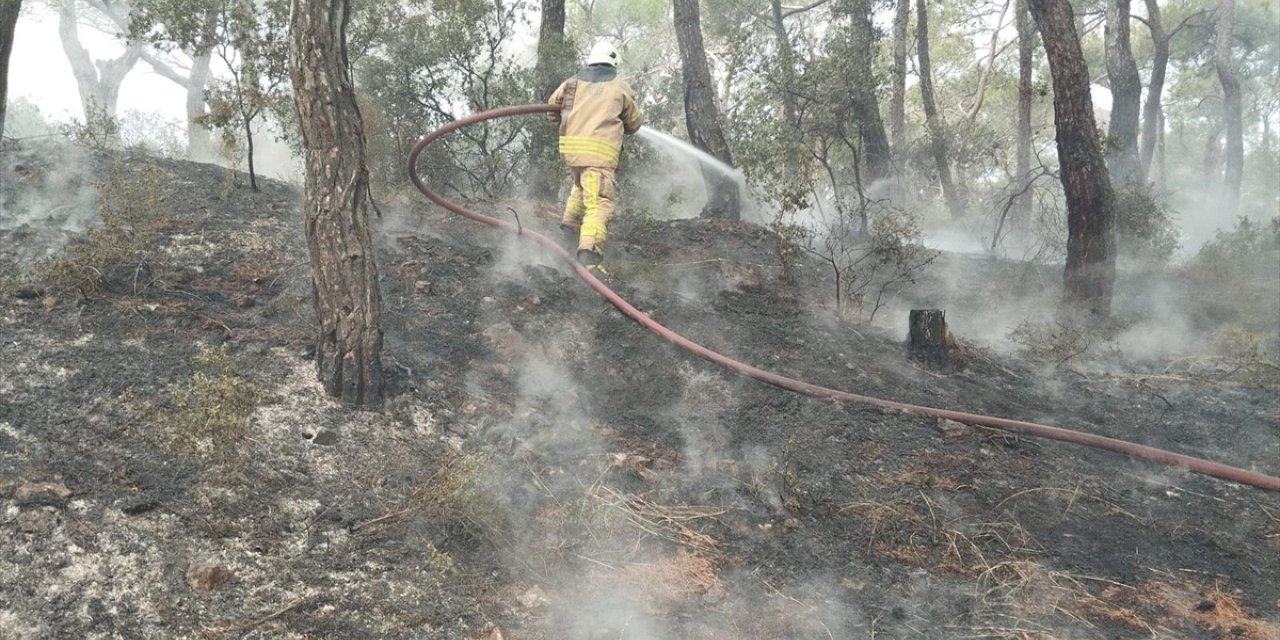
x,y
590,205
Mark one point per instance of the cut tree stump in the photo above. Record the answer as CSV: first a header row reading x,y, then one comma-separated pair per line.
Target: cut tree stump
x,y
929,340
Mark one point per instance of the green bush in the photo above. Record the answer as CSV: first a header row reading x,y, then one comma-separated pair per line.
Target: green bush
x,y
1144,230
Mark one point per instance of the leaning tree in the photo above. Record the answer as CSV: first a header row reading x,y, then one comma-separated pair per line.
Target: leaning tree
x,y
344,275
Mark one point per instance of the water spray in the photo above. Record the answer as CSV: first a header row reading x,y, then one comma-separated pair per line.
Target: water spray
x,y
1198,465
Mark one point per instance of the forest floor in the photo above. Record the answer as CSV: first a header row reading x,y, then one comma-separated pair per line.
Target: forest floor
x,y
545,469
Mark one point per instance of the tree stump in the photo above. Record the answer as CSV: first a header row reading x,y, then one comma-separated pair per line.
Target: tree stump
x,y
929,340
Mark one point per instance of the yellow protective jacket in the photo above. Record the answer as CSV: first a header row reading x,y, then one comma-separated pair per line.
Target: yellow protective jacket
x,y
596,109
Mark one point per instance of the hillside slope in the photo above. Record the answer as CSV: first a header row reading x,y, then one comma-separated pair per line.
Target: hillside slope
x,y
544,468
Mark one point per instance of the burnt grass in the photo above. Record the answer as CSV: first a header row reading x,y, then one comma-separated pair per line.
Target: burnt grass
x,y
544,468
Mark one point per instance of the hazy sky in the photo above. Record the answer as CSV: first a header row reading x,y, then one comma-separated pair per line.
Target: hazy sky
x,y
39,71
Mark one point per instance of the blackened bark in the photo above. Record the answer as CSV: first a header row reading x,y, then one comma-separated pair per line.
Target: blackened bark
x,y
897,95
933,120
1026,60
702,117
8,21
1126,95
1232,119
554,64
875,143
343,272
1091,262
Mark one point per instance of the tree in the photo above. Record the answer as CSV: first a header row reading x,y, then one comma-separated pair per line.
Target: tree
x,y
1022,159
702,116
898,89
1231,116
1153,110
1091,262
1126,94
875,143
8,21
555,60
344,275
98,81
933,120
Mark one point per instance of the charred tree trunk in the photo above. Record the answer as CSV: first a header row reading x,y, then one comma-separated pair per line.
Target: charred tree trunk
x,y
875,143
897,96
554,58
1126,95
1091,261
1232,119
99,83
702,117
8,21
1026,60
343,272
928,338
933,120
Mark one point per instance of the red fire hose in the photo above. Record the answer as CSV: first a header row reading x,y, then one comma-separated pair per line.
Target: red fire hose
x,y
1207,467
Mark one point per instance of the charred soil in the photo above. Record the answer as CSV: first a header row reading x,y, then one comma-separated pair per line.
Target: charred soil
x,y
544,468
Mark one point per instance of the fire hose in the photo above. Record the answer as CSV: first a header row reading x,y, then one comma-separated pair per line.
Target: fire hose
x,y
1198,465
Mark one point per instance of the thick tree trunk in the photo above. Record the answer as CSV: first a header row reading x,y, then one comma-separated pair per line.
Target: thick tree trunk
x,y
99,83
1126,95
1155,89
1091,261
8,21
898,90
928,338
343,272
933,120
1026,60
702,117
1231,110
554,62
199,142
875,143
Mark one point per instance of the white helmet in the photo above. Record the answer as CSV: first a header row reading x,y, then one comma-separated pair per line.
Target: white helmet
x,y
603,53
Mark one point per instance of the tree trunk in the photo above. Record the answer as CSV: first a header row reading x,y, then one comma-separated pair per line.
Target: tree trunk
x,y
1155,90
1026,61
875,143
8,21
99,83
199,142
554,61
344,275
1231,110
702,117
898,91
248,140
786,64
933,120
1126,95
1091,261
928,338
980,94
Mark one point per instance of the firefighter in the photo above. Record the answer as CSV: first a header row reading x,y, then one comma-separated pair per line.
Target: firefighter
x,y
596,109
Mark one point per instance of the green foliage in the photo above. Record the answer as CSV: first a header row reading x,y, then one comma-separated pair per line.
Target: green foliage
x,y
122,253
1249,250
207,416
1144,230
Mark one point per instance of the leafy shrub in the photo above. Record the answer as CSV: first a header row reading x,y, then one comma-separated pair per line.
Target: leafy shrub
x,y
1144,230
122,249
206,416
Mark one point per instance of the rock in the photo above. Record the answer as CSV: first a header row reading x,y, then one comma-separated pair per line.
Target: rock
x,y
35,521
326,438
207,577
791,523
53,494
1206,605
246,302
953,429
422,286
138,506
533,598
27,293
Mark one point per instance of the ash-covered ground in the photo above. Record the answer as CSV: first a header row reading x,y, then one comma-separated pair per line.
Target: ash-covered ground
x,y
545,469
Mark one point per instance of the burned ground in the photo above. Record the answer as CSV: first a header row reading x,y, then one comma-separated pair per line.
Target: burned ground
x,y
545,468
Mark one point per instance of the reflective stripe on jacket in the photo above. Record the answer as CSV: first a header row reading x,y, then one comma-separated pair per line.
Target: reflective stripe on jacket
x,y
597,108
